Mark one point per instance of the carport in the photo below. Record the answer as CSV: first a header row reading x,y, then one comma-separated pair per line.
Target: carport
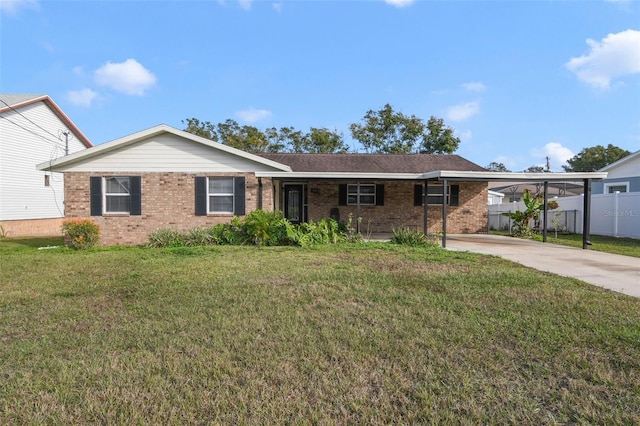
x,y
586,178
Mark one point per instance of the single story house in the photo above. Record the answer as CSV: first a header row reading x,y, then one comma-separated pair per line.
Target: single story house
x,y
167,178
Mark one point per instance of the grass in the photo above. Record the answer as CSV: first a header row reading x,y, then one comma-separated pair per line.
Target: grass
x,y
613,245
371,334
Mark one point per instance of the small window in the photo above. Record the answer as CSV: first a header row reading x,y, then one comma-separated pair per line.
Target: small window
x,y
117,194
220,195
364,195
47,180
612,188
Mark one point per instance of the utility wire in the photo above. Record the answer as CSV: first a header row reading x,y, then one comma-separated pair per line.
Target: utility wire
x,y
27,118
57,142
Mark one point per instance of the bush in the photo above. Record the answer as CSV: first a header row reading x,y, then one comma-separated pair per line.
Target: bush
x,y
80,234
166,238
325,231
410,237
200,237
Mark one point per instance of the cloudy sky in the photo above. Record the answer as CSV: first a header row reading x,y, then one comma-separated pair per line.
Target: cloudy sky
x,y
517,80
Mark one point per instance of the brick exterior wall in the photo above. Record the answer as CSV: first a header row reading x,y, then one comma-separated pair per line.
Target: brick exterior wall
x,y
398,210
168,201
33,227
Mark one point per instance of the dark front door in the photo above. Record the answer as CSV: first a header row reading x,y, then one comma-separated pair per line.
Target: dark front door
x,y
294,203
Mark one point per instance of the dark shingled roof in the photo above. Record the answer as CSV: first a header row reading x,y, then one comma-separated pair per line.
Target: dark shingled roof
x,y
374,163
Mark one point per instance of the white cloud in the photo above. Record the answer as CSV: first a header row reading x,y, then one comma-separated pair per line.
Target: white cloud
x,y
465,136
474,87
277,6
82,98
617,55
399,3
463,111
558,154
128,77
253,115
12,7
245,4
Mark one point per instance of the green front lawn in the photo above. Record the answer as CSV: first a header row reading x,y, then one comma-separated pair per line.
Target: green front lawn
x,y
368,334
613,245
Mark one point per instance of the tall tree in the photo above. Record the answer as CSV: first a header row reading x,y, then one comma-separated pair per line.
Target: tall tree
x,y
246,138
324,141
387,131
497,167
595,158
438,139
201,128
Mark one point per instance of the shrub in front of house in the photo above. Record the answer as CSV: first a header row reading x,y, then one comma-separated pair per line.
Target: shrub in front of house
x,y
80,234
166,238
410,237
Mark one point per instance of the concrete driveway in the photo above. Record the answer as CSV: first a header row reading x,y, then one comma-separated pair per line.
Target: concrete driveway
x,y
610,271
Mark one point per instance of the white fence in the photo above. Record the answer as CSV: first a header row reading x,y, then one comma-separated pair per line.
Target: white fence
x,y
616,215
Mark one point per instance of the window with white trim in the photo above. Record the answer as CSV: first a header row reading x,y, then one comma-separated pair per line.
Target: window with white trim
x,y
612,188
117,194
220,195
363,194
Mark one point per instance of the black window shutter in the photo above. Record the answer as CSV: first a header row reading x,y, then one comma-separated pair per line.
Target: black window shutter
x,y
380,195
135,190
95,185
454,196
342,195
417,195
239,196
201,196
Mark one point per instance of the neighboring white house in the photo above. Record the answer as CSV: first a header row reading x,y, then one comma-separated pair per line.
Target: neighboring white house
x,y
624,176
33,129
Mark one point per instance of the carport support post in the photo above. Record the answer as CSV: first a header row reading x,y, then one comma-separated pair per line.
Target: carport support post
x,y
445,200
586,215
425,219
544,212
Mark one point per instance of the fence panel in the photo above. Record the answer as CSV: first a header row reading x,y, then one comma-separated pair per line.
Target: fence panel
x,y
616,215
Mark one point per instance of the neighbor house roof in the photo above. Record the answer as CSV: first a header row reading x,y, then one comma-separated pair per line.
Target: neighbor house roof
x,y
373,163
13,102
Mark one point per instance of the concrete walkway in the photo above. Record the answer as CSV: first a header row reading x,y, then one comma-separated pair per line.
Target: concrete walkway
x,y
611,271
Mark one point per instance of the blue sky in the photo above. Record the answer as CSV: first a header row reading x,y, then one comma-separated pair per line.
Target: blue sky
x,y
517,80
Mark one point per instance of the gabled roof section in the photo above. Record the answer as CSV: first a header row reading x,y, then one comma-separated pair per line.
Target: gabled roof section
x,y
125,141
13,102
621,161
373,163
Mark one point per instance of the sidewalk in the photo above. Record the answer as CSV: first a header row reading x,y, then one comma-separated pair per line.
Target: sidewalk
x,y
611,271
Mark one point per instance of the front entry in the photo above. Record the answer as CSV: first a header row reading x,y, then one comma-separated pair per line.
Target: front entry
x,y
295,203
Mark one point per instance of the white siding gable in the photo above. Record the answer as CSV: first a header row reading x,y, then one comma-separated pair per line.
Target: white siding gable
x,y
166,152
626,170
29,137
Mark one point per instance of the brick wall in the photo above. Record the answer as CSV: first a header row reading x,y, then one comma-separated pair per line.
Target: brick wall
x,y
398,210
168,201
33,227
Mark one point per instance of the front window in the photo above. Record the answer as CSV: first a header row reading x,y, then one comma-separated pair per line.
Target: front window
x,y
220,195
364,195
117,194
435,195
